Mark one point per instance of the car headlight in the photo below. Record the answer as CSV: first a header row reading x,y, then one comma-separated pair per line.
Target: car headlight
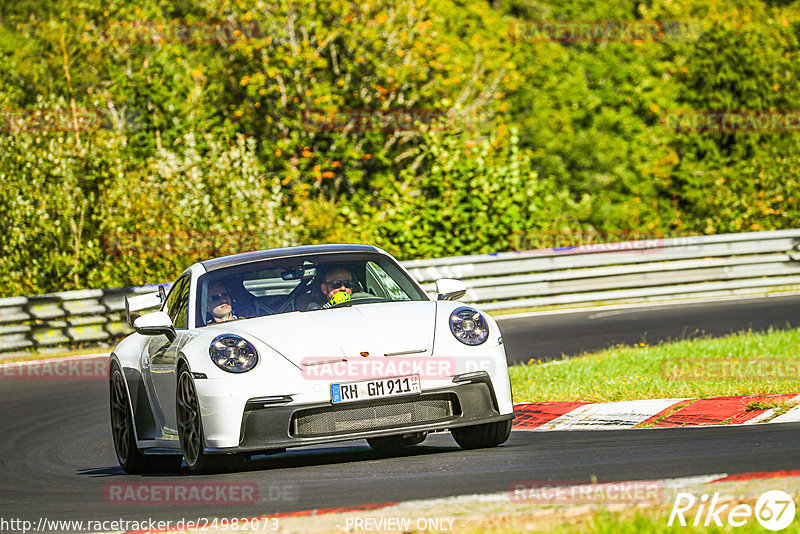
x,y
233,354
469,326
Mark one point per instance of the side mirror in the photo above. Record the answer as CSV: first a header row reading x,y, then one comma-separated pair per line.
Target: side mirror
x,y
449,289
142,302
155,324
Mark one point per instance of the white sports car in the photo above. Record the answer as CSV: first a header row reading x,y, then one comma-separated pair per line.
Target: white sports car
x,y
260,351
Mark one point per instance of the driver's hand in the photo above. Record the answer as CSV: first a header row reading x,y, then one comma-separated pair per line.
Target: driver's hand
x,y
338,298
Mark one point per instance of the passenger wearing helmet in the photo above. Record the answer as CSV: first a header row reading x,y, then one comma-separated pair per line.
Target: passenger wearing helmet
x,y
218,304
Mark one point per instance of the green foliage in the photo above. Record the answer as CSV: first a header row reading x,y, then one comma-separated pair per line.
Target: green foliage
x,y
472,197
52,207
208,145
188,205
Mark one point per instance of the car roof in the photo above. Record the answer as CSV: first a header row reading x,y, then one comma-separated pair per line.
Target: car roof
x,y
287,252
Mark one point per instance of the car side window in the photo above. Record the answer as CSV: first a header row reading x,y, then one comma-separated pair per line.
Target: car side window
x,y
380,284
178,303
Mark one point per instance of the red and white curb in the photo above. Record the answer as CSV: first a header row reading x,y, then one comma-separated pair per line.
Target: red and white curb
x,y
651,413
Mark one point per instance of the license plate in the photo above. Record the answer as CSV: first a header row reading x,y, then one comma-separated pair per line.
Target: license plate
x,y
375,389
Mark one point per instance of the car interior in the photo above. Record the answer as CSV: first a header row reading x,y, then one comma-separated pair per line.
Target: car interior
x,y
281,289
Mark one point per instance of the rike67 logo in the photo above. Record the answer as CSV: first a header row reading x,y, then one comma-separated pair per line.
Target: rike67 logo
x,y
774,510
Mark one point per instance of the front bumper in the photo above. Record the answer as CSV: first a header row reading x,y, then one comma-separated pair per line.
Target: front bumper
x,y
278,427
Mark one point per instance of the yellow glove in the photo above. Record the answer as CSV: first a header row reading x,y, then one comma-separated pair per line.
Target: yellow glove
x,y
339,298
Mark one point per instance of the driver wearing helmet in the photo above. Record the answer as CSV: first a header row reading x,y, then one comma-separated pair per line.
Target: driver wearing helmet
x,y
336,286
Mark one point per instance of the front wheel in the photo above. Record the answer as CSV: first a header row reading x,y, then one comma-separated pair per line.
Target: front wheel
x,y
190,432
482,436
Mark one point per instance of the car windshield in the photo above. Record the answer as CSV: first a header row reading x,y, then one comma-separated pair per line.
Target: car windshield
x,y
305,284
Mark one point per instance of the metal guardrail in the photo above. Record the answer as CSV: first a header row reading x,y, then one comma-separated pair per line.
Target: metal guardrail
x,y
649,270
70,317
657,269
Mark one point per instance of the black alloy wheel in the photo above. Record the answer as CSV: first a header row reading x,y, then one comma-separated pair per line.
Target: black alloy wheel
x,y
190,432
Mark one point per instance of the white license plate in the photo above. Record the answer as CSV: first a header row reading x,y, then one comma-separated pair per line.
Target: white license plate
x,y
375,389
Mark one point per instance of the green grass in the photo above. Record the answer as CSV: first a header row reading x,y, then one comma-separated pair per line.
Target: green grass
x,y
604,522
745,363
621,523
633,520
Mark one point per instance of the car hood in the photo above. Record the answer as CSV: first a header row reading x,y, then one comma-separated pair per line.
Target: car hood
x,y
386,328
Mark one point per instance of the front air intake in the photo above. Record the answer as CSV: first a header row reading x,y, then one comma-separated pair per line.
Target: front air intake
x,y
344,419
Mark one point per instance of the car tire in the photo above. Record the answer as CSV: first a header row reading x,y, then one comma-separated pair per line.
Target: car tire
x,y
482,436
388,444
129,456
190,432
